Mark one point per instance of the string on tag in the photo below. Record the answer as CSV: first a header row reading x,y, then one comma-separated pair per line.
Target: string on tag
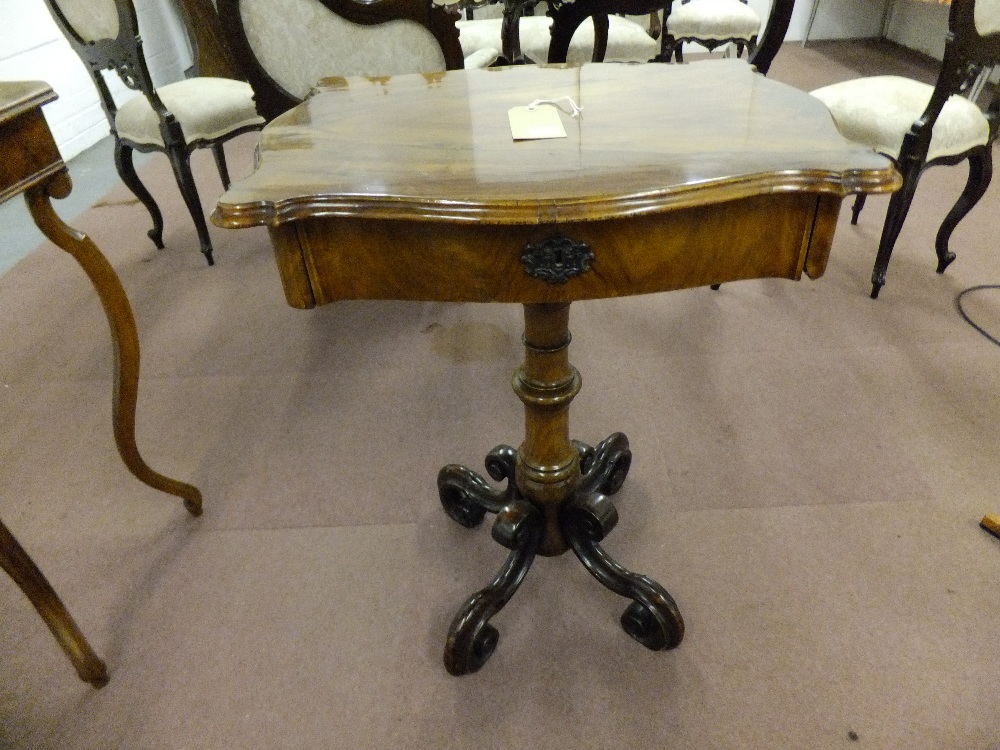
x,y
574,111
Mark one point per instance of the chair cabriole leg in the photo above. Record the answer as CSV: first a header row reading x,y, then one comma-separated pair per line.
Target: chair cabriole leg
x,y
180,161
899,207
980,175
220,163
859,204
126,170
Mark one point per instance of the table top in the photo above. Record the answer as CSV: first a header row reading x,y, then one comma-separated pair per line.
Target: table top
x,y
19,96
651,138
28,155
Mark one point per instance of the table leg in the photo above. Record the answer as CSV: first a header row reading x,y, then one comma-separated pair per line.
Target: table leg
x,y
557,498
16,562
124,336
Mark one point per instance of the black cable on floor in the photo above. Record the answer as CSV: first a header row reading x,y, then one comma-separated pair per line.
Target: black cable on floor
x,y
965,316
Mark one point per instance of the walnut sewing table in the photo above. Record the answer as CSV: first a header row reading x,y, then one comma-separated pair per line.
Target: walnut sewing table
x,y
675,176
30,164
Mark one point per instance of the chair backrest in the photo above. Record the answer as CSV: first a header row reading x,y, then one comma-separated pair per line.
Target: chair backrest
x,y
285,46
971,46
105,35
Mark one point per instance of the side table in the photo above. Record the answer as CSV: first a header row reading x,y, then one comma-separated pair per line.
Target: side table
x,y
30,163
744,180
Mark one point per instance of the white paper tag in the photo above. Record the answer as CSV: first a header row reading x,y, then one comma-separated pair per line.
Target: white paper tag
x,y
534,124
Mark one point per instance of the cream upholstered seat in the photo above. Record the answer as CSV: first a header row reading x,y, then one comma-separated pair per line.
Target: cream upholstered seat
x,y
710,23
176,118
919,125
285,46
879,111
207,109
627,40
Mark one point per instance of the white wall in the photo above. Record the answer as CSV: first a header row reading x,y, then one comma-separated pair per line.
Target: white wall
x,y
837,19
920,26
32,48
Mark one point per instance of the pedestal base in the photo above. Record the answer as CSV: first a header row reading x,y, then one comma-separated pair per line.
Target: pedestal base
x,y
584,519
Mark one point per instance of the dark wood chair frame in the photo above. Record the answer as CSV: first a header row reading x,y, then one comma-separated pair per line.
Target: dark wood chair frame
x,y
567,17
561,14
966,55
773,35
273,99
124,55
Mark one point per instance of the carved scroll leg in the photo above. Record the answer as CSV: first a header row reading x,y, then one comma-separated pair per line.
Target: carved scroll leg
x,y
467,497
471,637
16,562
653,618
124,336
605,467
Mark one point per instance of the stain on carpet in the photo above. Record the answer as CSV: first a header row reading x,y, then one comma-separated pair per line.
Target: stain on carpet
x,y
114,204
470,342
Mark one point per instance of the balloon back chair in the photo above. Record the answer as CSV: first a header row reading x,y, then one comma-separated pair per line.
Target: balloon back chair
x,y
285,46
710,23
921,125
174,119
